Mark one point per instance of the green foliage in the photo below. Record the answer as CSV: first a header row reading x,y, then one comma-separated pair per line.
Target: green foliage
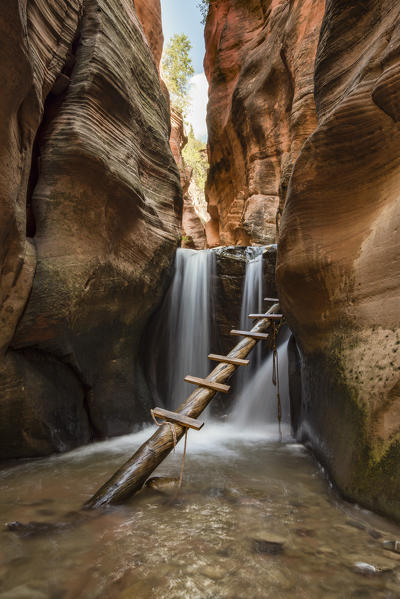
x,y
195,155
204,5
177,70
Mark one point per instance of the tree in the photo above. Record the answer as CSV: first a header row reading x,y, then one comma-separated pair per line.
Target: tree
x,y
195,155
204,6
177,70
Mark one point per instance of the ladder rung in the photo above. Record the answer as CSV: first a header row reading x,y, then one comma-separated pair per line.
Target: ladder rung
x,y
178,418
271,299
228,360
250,334
207,384
270,316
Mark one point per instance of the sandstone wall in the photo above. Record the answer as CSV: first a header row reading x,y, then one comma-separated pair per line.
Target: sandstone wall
x,y
149,13
193,232
90,210
338,262
260,66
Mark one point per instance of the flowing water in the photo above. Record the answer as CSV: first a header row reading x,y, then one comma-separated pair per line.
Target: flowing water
x,y
257,400
185,342
252,302
255,519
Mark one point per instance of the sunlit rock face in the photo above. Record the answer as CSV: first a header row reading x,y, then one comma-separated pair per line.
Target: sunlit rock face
x,y
260,67
90,210
149,13
339,261
193,232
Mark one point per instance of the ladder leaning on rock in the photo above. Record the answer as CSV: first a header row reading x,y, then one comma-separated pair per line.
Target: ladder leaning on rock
x,y
132,475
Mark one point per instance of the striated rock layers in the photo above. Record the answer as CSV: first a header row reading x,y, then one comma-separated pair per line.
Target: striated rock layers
x,y
90,206
339,260
260,66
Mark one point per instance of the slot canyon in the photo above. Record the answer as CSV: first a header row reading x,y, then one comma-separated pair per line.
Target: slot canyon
x,y
136,254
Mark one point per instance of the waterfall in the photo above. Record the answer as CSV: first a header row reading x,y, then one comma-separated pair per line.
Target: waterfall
x,y
184,345
256,404
252,302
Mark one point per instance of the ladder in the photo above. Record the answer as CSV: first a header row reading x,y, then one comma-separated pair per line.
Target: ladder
x,y
132,475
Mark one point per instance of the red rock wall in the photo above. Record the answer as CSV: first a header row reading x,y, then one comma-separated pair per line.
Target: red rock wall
x,y
260,66
149,13
338,264
90,212
193,233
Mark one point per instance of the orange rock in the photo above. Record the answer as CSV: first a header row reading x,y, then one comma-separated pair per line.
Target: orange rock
x,y
260,67
149,13
87,171
338,264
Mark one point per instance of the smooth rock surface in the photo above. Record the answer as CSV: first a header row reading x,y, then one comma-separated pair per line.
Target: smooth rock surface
x,y
90,206
260,66
338,265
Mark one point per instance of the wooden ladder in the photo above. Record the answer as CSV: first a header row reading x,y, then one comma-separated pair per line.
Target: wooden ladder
x,y
132,475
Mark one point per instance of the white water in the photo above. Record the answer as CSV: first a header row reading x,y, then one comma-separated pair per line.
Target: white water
x,y
257,401
190,321
252,302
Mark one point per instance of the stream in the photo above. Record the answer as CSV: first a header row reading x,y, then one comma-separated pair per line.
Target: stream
x,y
255,519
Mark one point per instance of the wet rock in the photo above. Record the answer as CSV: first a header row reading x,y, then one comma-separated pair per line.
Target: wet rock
x,y
34,529
214,572
24,591
392,546
305,532
268,544
163,484
356,524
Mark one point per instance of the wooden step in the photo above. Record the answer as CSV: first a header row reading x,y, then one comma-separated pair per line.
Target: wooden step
x,y
256,336
228,360
207,384
271,299
269,316
178,418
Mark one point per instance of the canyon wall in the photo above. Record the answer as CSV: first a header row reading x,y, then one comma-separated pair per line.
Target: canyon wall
x,y
260,66
193,231
304,119
339,261
90,211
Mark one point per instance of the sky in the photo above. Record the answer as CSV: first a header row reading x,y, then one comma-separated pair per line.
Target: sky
x,y
183,16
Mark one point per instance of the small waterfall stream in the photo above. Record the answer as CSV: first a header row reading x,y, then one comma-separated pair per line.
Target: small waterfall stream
x,y
252,302
183,336
256,404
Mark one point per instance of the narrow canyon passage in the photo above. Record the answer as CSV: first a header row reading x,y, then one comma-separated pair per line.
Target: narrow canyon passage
x,y
199,213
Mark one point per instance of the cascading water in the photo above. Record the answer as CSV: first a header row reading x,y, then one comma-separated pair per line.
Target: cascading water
x,y
187,313
256,396
252,301
256,404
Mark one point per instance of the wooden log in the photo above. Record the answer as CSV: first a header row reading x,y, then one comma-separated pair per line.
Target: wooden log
x,y
257,336
228,360
194,380
132,475
178,418
271,316
271,299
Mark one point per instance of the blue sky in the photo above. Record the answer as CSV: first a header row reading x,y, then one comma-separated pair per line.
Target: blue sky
x,y
183,16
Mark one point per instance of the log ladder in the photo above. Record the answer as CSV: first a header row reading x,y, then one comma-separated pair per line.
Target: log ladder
x,y
132,475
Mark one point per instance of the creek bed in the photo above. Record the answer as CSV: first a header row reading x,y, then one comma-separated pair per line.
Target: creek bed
x,y
255,519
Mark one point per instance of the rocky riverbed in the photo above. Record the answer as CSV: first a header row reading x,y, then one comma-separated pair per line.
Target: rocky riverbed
x,y
255,518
